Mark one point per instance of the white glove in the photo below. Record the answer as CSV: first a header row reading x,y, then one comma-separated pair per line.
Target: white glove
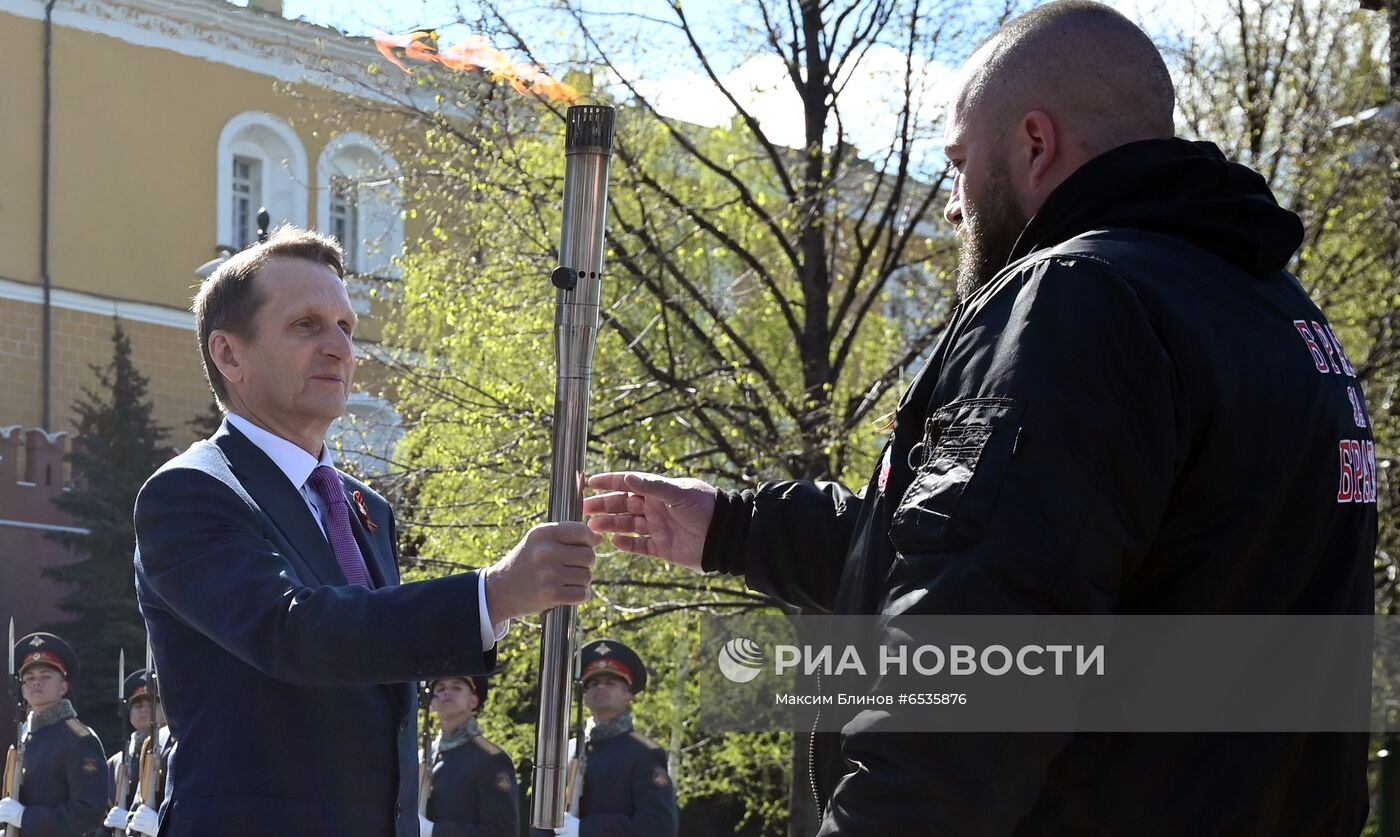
x,y
570,828
116,818
11,812
145,820
425,826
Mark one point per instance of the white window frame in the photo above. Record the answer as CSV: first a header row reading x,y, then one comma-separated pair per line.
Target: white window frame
x,y
378,201
283,189
244,218
343,218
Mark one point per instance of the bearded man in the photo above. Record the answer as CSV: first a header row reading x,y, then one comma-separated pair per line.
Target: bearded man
x,y
1134,409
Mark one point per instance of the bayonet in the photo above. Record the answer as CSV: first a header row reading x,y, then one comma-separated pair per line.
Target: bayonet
x,y
14,758
123,772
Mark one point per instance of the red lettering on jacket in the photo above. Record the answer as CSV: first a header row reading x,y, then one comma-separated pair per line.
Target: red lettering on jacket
x,y
1341,353
1319,359
1358,413
1327,344
1358,471
1345,489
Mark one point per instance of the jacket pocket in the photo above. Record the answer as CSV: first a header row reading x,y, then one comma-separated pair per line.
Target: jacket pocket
x,y
959,467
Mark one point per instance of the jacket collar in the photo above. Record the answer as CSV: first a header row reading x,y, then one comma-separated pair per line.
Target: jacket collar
x,y
281,501
291,460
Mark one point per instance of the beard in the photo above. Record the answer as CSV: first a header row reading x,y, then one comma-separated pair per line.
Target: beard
x,y
991,225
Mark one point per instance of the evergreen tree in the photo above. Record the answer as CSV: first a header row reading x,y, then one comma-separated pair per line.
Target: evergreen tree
x,y
207,423
118,446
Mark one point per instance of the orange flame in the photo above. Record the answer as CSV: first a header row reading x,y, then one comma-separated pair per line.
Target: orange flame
x,y
473,53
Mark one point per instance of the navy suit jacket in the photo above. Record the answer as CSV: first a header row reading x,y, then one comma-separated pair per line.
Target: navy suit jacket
x,y
288,690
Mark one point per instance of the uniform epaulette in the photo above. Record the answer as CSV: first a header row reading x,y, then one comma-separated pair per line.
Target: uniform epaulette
x,y
491,749
79,728
651,745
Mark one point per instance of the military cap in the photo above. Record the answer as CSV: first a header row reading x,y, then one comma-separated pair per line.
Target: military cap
x,y
136,685
479,683
608,656
46,649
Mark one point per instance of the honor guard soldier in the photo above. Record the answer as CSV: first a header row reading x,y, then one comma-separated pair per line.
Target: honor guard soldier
x,y
472,790
63,786
621,786
131,812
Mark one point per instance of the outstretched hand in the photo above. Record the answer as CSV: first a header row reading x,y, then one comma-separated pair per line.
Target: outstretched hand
x,y
653,515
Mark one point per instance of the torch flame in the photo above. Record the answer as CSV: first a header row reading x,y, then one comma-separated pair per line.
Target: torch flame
x,y
473,53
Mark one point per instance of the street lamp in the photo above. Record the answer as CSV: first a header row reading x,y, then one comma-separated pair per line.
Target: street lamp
x,y
207,269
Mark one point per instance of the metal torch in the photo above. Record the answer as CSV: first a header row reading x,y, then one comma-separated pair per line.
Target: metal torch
x,y
588,149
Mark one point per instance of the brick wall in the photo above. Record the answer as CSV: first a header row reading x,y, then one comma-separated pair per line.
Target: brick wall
x,y
168,357
32,474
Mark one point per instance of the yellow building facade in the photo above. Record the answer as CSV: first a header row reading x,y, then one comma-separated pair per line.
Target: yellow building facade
x,y
158,132
138,140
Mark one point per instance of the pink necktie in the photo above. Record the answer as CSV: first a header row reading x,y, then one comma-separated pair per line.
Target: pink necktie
x,y
327,483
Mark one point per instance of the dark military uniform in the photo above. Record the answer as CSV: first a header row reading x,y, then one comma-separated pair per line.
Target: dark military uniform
x,y
133,770
131,755
64,785
64,790
627,791
473,792
135,687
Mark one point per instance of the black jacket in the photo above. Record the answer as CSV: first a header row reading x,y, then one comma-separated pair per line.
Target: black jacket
x,y
473,792
1143,413
64,790
627,791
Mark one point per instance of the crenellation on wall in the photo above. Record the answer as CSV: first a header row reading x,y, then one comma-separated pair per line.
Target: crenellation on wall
x,y
32,474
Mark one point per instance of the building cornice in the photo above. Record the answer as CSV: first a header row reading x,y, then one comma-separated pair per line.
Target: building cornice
x,y
44,527
217,31
140,312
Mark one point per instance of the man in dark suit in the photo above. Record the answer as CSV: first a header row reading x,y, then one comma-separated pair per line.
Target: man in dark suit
x,y
268,580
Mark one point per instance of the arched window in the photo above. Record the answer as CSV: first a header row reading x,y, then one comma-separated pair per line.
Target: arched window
x,y
360,202
261,164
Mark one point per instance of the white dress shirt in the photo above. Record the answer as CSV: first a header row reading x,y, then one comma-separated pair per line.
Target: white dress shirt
x,y
297,465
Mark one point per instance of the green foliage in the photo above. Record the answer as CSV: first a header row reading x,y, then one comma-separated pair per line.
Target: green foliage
x,y
477,309
758,313
118,445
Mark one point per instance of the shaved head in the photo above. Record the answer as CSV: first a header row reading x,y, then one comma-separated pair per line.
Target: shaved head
x,y
1046,93
1081,62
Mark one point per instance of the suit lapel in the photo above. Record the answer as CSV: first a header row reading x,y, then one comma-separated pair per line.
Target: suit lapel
x,y
282,503
379,558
